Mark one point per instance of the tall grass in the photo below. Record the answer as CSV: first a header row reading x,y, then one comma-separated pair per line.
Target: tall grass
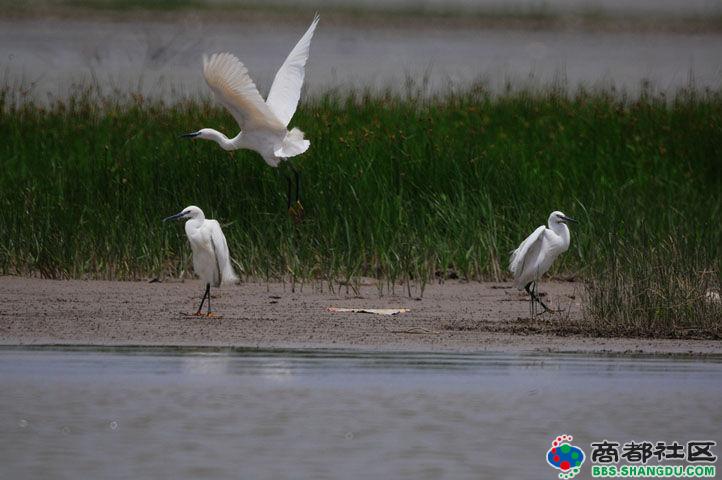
x,y
663,289
397,187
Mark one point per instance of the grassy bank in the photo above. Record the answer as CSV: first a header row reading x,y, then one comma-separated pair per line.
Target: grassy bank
x,y
402,189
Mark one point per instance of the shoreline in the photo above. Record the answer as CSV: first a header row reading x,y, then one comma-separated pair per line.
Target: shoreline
x,y
305,349
453,317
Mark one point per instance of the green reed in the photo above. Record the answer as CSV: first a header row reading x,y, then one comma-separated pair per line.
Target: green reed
x,y
397,187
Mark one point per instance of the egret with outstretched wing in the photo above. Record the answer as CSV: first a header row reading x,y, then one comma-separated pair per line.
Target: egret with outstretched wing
x,y
537,252
264,125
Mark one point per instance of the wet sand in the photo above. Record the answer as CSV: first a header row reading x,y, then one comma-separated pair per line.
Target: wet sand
x,y
453,316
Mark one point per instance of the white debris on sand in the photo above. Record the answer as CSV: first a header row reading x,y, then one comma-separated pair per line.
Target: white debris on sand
x,y
376,311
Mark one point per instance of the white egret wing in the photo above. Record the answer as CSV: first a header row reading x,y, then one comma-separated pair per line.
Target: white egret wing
x,y
233,87
520,258
223,257
286,89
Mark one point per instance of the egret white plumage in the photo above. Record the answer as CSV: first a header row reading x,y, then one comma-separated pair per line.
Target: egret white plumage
x,y
211,259
537,252
264,125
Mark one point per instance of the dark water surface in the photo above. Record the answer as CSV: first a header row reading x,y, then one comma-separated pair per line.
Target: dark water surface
x,y
334,414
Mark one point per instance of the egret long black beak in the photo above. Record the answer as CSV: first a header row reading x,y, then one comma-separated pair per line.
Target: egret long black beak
x,y
568,219
174,217
190,135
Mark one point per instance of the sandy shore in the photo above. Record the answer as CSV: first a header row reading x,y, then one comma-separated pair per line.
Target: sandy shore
x,y
454,316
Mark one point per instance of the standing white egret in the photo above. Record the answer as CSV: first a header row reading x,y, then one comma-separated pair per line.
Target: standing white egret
x,y
264,125
211,260
536,254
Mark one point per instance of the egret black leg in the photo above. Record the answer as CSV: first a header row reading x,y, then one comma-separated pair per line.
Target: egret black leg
x,y
535,298
208,289
288,194
208,295
297,181
295,209
298,185
532,303
544,306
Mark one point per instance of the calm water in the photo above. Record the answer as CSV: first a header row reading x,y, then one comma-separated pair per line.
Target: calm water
x,y
334,414
48,57
678,7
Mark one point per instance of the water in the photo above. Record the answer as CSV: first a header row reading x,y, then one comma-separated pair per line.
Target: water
x,y
607,7
49,57
334,414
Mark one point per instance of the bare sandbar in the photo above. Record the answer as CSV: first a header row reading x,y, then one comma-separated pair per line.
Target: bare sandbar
x,y
452,316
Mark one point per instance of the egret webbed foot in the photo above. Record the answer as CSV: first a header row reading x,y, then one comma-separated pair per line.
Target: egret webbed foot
x,y
296,211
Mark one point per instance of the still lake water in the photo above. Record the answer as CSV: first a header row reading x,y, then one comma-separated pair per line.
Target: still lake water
x,y
48,57
321,414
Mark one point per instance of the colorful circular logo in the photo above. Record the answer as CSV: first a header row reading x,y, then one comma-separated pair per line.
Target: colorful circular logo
x,y
565,457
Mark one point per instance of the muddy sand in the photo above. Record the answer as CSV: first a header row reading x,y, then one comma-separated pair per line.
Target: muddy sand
x,y
453,316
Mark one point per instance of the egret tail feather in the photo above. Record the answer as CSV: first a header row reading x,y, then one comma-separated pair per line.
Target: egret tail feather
x,y
293,144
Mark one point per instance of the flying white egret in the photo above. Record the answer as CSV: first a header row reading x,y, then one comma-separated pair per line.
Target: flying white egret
x,y
536,254
211,260
264,125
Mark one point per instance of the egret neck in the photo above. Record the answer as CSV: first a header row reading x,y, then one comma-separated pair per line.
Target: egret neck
x,y
562,230
194,223
226,143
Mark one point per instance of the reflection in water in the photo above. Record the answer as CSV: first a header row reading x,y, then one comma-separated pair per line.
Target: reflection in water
x,y
270,368
333,414
205,365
